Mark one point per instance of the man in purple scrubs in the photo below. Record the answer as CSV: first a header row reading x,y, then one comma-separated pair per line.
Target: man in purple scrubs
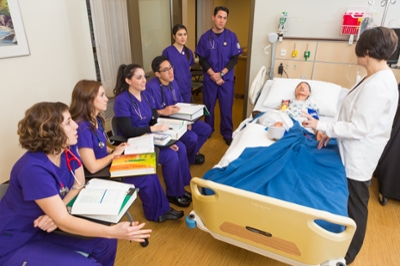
x,y
218,50
166,94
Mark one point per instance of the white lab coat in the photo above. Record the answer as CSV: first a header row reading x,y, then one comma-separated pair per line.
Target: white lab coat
x,y
364,124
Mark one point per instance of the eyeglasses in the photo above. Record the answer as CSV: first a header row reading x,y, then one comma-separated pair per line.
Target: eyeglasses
x,y
167,69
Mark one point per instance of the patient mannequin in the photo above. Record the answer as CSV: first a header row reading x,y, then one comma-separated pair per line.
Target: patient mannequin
x,y
301,102
290,109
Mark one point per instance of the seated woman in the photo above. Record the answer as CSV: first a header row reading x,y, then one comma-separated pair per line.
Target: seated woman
x,y
87,104
136,115
41,184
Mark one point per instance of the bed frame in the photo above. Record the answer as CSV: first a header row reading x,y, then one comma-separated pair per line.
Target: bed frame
x,y
274,228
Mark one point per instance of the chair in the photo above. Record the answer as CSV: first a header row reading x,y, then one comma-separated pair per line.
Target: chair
x,y
197,79
115,139
3,189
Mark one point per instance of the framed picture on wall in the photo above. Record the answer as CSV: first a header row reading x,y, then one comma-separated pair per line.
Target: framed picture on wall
x,y
13,40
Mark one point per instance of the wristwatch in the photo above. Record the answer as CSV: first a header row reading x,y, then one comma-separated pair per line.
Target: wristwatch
x,y
222,74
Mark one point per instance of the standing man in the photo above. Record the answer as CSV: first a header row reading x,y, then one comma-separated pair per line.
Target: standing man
x,y
218,50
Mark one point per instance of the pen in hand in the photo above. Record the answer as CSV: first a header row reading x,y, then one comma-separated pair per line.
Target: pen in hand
x,y
130,220
145,243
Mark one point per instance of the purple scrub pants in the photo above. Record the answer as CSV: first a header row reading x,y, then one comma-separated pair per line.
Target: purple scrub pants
x,y
154,201
195,138
224,93
48,249
187,96
175,168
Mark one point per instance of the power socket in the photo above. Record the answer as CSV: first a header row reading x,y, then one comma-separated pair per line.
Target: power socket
x,y
280,69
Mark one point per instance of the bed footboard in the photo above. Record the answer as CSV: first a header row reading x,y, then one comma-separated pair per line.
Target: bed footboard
x,y
274,228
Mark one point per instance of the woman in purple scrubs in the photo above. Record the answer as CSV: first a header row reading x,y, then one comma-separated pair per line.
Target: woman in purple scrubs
x,y
88,102
42,182
181,58
136,115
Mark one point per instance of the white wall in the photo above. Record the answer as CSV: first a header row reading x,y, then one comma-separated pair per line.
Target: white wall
x,y
308,18
59,41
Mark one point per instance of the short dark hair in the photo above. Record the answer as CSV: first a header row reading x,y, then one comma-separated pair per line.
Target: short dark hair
x,y
221,8
155,65
41,129
379,43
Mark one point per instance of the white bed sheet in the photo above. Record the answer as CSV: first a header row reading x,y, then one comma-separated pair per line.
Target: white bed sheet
x,y
255,135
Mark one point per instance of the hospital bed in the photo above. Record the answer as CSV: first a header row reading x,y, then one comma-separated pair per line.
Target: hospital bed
x,y
276,228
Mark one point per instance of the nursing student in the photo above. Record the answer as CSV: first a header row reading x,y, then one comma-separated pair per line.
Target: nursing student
x,y
88,102
166,93
181,59
42,182
364,124
136,115
218,50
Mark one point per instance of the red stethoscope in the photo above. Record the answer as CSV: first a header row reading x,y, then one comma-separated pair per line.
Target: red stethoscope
x,y
69,157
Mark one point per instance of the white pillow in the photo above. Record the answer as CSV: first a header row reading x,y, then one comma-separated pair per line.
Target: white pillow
x,y
324,94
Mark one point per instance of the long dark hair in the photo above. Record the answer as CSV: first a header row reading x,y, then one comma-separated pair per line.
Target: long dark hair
x,y
175,29
124,72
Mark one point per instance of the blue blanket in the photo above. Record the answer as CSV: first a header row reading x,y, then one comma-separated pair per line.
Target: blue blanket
x,y
294,170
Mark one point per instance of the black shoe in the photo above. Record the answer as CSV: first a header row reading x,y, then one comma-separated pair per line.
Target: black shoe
x,y
181,201
228,141
188,195
200,159
171,215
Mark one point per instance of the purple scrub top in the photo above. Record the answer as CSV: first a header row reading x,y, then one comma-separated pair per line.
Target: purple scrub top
x,y
33,177
212,48
182,66
139,112
87,138
164,95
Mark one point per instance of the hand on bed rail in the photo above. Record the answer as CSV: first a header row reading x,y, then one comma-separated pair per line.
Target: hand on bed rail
x,y
312,123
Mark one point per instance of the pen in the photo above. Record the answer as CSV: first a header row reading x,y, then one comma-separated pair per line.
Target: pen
x,y
130,220
146,241
102,197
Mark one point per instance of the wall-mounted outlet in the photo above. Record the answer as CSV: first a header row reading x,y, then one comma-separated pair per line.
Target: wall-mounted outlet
x,y
283,52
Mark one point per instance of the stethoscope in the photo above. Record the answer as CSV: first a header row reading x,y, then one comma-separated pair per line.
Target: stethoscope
x,y
137,108
101,143
63,189
171,87
212,45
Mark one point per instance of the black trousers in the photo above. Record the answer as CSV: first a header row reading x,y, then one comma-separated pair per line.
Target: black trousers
x,y
357,207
